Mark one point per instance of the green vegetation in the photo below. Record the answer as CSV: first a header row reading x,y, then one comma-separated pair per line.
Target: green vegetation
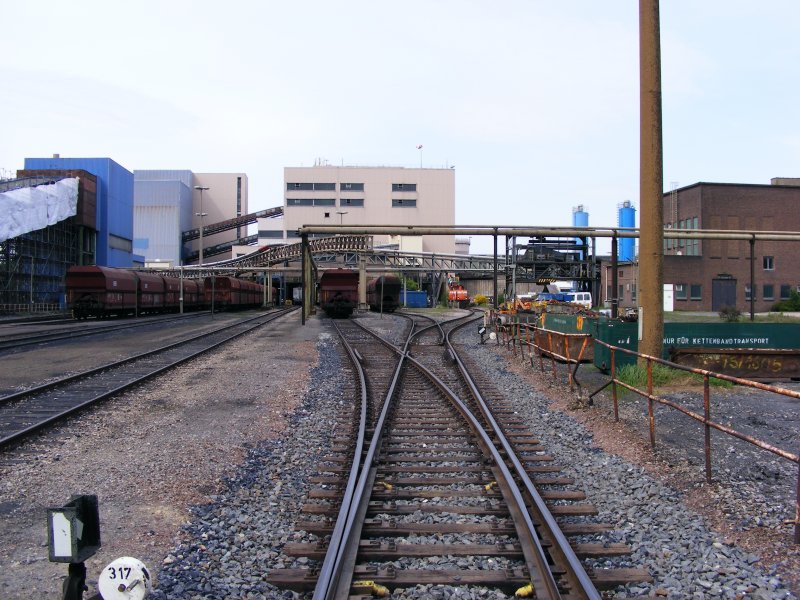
x,y
790,305
481,300
636,376
692,317
411,285
731,314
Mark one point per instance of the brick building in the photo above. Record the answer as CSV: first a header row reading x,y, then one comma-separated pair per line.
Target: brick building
x,y
709,274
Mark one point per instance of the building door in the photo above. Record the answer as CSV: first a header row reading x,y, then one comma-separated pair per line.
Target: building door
x,y
723,293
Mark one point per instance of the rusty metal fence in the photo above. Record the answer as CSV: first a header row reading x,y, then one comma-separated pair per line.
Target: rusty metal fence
x,y
571,349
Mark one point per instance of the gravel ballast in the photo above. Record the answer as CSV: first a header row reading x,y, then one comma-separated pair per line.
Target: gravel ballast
x,y
245,511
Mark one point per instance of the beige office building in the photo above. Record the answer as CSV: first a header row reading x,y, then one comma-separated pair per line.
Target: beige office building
x,y
328,195
225,198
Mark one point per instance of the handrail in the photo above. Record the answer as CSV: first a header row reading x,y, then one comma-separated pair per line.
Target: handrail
x,y
705,418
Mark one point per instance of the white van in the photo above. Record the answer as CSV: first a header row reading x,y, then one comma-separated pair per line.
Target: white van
x,y
583,298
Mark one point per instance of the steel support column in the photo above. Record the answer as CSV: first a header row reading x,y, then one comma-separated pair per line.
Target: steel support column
x,y
651,193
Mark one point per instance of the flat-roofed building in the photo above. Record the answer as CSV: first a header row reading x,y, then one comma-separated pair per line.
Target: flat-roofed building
x,y
345,195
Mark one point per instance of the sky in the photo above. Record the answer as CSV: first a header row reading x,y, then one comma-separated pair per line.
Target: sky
x,y
534,103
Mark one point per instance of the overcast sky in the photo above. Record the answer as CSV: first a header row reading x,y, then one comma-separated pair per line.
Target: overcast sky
x,y
534,102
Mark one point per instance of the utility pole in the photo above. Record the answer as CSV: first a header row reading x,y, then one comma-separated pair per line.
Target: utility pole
x,y
651,184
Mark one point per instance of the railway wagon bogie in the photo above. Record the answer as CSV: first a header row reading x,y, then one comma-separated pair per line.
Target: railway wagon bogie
x,y
338,292
383,293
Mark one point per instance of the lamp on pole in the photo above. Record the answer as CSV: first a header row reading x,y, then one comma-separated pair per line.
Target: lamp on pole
x,y
341,214
201,214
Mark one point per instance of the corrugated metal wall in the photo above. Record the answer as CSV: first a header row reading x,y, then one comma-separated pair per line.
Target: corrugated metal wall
x,y
161,230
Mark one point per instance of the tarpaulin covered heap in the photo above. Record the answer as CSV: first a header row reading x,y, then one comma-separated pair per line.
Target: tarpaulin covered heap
x,y
31,208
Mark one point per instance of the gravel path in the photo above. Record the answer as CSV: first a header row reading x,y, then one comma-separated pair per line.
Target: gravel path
x,y
223,463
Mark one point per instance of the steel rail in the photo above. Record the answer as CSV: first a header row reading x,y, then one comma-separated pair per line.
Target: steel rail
x,y
344,562
542,578
83,374
9,343
328,576
40,424
560,542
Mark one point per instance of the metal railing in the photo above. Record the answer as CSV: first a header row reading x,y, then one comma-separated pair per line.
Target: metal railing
x,y
25,308
705,418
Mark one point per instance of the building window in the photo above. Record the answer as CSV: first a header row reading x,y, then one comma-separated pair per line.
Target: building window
x,y
747,292
609,292
308,187
696,291
119,243
786,292
310,202
351,187
769,291
263,233
633,292
327,215
351,202
404,187
621,295
680,291
404,203
769,263
620,273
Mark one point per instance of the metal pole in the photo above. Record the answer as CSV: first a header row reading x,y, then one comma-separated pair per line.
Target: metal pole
x,y
494,277
752,279
651,185
181,296
614,278
201,214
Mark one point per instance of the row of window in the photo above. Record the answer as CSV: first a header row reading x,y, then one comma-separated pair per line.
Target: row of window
x,y
768,292
694,291
399,202
344,187
687,247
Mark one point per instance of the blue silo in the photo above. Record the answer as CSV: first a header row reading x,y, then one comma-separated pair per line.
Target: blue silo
x,y
580,218
627,218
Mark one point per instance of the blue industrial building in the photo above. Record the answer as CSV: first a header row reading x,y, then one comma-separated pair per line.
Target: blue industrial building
x,y
114,199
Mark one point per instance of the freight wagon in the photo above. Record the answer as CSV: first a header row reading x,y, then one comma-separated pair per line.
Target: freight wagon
x,y
383,293
338,292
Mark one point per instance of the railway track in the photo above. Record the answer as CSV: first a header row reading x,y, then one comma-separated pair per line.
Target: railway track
x,y
445,494
20,340
26,412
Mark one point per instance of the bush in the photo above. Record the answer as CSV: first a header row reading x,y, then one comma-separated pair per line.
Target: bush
x,y
730,314
481,300
411,285
790,305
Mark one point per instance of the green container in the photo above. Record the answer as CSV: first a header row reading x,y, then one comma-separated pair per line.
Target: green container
x,y
785,336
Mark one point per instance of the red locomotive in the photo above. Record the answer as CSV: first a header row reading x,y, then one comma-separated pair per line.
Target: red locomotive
x,y
459,295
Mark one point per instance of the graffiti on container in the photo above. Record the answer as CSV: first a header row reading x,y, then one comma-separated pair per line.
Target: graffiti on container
x,y
741,362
